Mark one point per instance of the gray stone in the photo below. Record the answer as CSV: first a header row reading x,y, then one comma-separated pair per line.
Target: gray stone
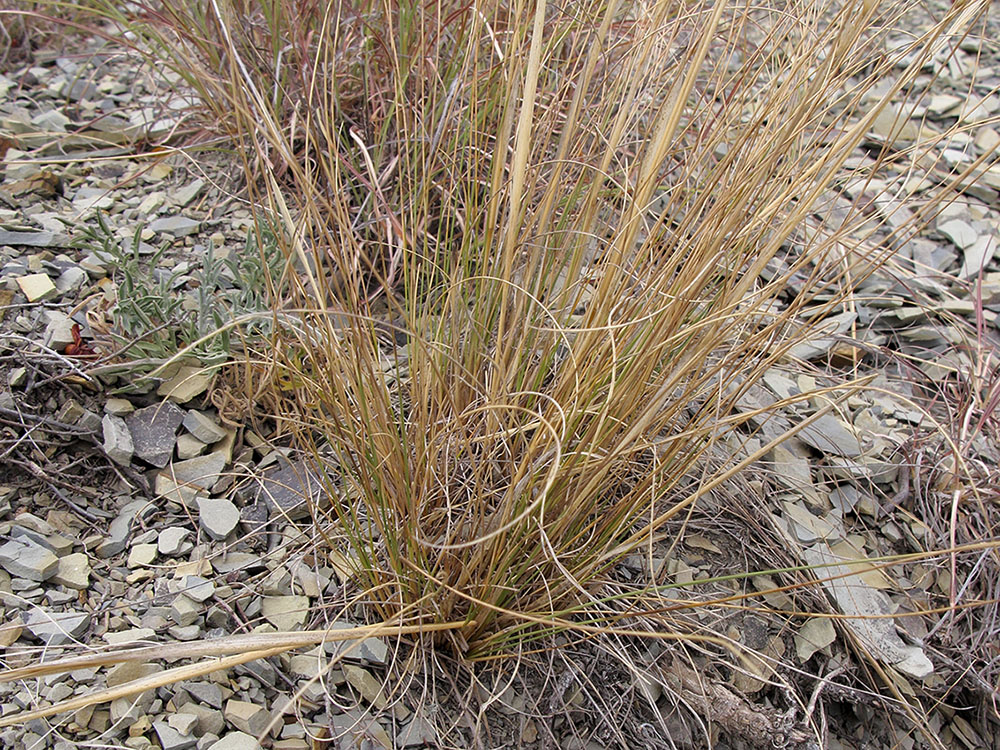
x,y
203,427
217,518
33,239
73,572
184,723
286,490
58,628
118,407
70,280
247,717
236,741
201,471
184,611
197,588
418,733
208,693
978,255
28,560
178,226
171,540
186,383
117,440
154,431
959,232
285,612
829,435
59,331
186,194
171,739
188,446
119,528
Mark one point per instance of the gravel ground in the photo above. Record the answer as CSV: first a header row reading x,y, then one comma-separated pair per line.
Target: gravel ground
x,y
146,510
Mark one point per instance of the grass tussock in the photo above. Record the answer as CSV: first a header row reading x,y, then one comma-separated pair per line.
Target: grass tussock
x,y
563,214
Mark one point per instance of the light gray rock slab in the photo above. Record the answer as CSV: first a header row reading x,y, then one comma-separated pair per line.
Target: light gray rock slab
x,y
33,239
961,233
197,588
24,559
178,226
73,571
829,435
154,432
247,717
59,331
236,741
121,526
217,518
58,628
171,739
171,540
208,693
203,427
200,471
117,440
418,733
978,255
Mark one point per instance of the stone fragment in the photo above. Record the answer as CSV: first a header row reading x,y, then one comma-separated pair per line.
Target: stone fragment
x,y
59,331
187,383
141,555
866,608
208,693
961,233
33,239
197,588
154,431
217,518
247,717
28,560
119,407
178,226
418,733
236,741
184,723
37,287
186,194
367,686
121,526
200,472
184,611
203,427
71,280
73,572
829,435
978,255
171,739
58,628
894,127
287,489
117,440
285,612
170,542
188,446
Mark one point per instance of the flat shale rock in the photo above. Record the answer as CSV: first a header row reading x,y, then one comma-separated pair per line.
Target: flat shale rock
x,y
829,435
28,560
287,489
58,628
154,432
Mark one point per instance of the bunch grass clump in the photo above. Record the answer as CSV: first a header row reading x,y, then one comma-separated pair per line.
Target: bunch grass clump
x,y
535,254
563,216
